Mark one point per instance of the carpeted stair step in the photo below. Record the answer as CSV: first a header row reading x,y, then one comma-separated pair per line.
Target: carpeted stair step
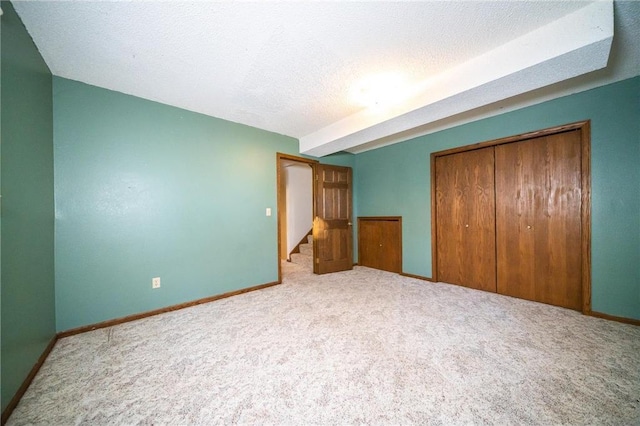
x,y
306,249
305,257
302,259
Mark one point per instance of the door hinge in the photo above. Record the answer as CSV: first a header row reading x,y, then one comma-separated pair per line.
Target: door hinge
x,y
318,260
317,178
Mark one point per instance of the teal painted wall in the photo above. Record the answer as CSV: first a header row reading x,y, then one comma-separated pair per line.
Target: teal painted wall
x,y
27,262
144,190
395,180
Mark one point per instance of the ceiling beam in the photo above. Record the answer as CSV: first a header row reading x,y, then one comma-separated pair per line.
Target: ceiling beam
x,y
576,44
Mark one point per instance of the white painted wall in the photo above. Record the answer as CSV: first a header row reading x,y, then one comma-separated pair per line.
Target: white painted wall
x,y
299,203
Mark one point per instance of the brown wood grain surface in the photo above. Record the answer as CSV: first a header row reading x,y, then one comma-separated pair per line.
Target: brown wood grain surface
x,y
465,210
542,215
332,227
538,216
380,243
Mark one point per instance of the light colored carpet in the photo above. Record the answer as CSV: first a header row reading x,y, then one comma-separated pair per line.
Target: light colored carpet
x,y
360,347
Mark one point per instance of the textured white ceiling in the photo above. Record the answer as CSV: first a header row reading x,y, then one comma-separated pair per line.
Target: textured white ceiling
x,y
286,67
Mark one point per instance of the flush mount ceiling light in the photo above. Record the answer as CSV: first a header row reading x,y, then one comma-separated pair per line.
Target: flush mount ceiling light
x,y
380,91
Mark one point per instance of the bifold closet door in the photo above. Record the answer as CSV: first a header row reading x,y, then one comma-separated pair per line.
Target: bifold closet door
x,y
465,215
538,219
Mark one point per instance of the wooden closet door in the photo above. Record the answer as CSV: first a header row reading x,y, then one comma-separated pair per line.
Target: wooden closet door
x,y
538,219
465,215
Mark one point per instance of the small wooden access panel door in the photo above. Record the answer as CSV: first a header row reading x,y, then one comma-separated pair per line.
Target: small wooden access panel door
x,y
332,230
380,243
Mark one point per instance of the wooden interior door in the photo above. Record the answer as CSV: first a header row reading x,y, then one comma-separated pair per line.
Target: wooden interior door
x,y
380,243
332,230
538,219
465,215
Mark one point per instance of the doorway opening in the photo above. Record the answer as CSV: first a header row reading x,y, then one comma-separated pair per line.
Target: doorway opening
x,y
330,247
295,206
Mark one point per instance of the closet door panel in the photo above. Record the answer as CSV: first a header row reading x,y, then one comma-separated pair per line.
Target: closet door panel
x,y
538,215
515,201
465,214
391,257
558,221
369,235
